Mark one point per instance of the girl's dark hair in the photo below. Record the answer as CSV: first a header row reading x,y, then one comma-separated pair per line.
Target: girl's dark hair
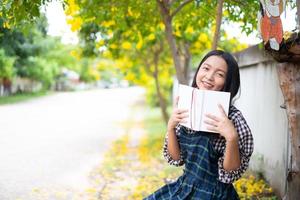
x,y
232,82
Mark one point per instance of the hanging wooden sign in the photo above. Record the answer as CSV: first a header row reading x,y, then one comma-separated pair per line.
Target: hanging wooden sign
x,y
269,22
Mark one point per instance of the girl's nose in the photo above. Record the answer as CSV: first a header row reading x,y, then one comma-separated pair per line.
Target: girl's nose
x,y
210,75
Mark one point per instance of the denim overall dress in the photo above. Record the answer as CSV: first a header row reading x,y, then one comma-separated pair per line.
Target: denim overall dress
x,y
200,175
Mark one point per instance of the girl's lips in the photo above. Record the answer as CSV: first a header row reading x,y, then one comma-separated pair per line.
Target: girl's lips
x,y
207,85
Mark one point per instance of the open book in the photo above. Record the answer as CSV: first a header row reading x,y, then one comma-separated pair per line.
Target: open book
x,y
201,102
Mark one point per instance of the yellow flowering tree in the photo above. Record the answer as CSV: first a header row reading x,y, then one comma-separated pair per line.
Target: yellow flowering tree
x,y
188,15
139,51
133,33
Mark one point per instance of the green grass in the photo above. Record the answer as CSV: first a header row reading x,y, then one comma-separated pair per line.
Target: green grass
x,y
154,123
16,98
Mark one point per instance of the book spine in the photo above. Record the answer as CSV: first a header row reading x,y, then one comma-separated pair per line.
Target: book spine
x,y
202,105
191,108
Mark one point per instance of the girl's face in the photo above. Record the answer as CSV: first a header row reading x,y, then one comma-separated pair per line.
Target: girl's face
x,y
212,74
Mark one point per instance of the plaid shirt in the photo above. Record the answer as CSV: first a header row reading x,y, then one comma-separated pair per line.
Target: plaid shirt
x,y
219,144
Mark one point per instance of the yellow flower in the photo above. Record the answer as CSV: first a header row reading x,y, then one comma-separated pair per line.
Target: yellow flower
x,y
151,37
72,8
130,77
226,13
100,43
189,30
198,45
113,46
126,45
161,26
107,54
75,23
36,190
270,190
75,54
208,45
140,42
110,33
287,35
152,29
177,33
203,38
91,190
113,9
108,23
6,25
137,15
129,11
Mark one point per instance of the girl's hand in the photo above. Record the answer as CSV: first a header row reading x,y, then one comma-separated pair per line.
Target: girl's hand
x,y
221,125
177,116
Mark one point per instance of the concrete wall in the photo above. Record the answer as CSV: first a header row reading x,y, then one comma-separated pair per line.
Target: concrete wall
x,y
260,102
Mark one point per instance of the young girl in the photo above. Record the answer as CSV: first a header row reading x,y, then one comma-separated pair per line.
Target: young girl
x,y
212,160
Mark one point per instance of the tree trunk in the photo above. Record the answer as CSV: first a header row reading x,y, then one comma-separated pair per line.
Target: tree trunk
x,y
167,20
289,78
187,59
162,101
298,13
218,24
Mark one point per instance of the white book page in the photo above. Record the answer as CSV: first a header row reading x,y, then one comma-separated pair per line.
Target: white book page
x,y
197,109
191,99
210,105
200,102
185,99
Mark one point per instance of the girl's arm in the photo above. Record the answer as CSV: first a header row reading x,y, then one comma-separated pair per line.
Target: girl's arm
x,y
173,146
226,128
228,148
232,159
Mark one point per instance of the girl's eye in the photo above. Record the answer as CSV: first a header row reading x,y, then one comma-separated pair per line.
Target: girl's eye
x,y
205,68
221,75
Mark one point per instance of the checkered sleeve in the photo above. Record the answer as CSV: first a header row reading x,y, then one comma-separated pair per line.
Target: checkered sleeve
x,y
245,148
166,153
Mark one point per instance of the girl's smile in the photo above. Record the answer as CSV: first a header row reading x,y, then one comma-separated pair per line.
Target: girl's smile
x,y
207,85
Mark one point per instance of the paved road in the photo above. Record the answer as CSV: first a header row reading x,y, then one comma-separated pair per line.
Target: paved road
x,y
55,141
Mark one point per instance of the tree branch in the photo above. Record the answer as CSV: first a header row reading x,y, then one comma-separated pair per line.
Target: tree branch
x,y
208,12
163,8
240,2
172,2
148,66
218,24
298,13
180,7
